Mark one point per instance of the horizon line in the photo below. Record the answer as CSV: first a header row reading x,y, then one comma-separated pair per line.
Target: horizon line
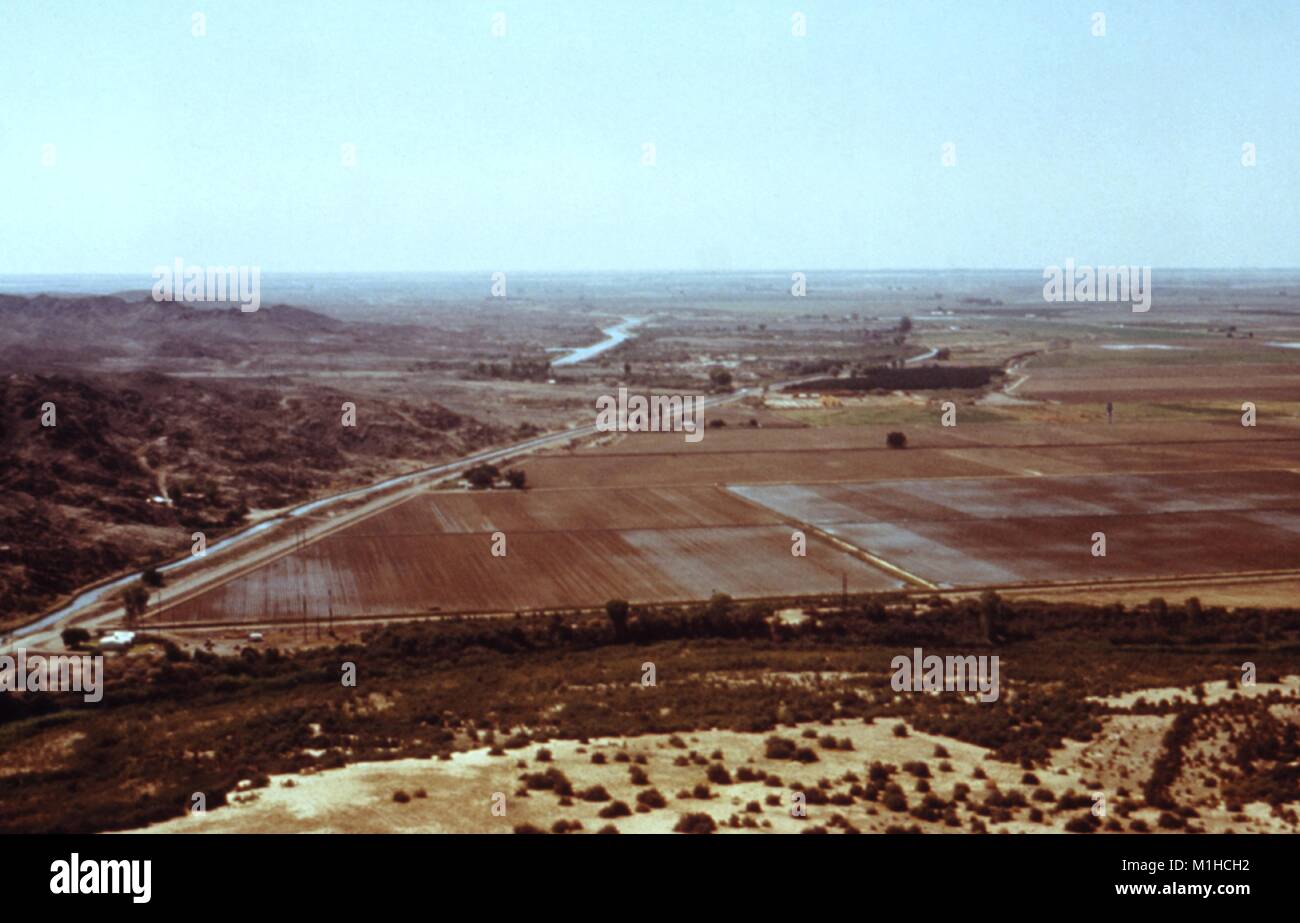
x,y
624,272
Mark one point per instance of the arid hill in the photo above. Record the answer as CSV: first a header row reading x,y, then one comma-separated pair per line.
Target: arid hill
x,y
136,462
46,330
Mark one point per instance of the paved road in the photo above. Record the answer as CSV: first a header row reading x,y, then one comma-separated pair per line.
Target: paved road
x,y
246,550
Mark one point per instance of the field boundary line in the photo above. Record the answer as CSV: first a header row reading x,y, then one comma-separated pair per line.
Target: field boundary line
x,y
1118,583
807,599
922,448
861,554
999,475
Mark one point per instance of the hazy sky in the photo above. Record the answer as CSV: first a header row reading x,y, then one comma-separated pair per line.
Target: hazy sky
x,y
524,152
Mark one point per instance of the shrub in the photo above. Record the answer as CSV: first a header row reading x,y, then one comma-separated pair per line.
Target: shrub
x,y
617,610
1084,823
718,774
931,808
615,809
550,780
896,440
595,793
651,798
896,829
695,823
1071,800
780,748
1168,821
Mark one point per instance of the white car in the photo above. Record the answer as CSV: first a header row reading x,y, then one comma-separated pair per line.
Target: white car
x,y
117,640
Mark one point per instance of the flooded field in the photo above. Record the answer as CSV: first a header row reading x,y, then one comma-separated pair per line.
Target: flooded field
x,y
966,532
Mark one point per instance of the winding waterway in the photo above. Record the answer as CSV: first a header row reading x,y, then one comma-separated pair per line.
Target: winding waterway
x,y
613,336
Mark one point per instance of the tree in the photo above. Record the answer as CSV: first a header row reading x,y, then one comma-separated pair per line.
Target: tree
x,y
720,377
518,480
135,599
618,610
74,637
481,476
990,608
152,578
905,324
896,440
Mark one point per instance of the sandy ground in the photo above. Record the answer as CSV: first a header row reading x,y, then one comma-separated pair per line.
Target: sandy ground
x,y
457,795
1215,691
